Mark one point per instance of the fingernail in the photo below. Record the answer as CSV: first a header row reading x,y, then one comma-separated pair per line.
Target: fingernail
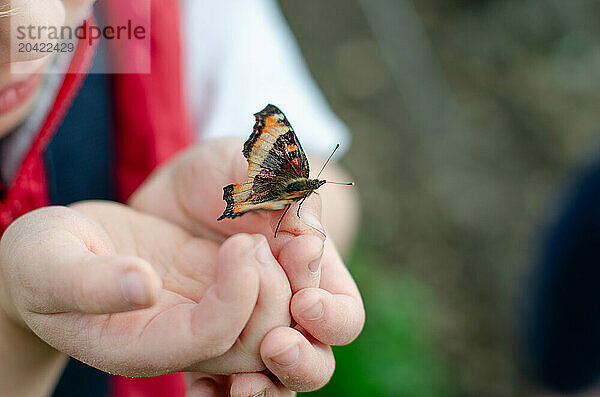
x,y
263,253
314,266
134,289
288,356
311,220
313,312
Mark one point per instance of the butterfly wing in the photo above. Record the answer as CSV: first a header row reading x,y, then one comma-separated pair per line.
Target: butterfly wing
x,y
275,157
273,147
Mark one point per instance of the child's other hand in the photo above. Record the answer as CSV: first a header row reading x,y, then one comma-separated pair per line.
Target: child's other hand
x,y
137,296
326,302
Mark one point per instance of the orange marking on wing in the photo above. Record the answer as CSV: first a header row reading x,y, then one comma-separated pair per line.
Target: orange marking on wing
x,y
294,196
291,148
271,123
274,127
274,205
268,205
241,192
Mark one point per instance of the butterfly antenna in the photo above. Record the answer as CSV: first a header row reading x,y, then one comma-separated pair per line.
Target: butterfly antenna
x,y
280,219
328,159
327,162
341,183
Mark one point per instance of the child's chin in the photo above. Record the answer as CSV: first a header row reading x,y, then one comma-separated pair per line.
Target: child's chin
x,y
11,119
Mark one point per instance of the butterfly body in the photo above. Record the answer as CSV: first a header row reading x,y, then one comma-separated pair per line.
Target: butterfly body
x,y
303,186
278,170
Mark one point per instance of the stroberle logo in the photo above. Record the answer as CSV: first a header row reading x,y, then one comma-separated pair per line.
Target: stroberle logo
x,y
86,31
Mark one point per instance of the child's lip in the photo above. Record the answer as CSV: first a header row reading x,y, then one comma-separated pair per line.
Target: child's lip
x,y
17,93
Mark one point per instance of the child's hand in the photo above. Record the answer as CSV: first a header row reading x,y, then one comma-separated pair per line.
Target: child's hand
x,y
188,192
137,296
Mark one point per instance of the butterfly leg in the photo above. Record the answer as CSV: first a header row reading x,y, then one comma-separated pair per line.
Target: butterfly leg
x,y
280,219
300,205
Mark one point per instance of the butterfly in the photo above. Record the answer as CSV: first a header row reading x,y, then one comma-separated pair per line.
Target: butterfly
x,y
278,170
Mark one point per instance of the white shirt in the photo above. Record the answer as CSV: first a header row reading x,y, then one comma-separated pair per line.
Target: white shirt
x,y
243,56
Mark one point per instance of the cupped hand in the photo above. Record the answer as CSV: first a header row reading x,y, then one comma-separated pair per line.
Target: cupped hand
x,y
326,305
137,296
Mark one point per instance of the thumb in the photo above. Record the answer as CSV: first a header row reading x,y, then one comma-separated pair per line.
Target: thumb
x,y
56,260
104,284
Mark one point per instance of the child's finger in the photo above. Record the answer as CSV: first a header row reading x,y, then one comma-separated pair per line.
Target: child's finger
x,y
302,219
204,385
333,313
89,283
300,257
258,384
209,328
331,318
51,267
271,310
299,364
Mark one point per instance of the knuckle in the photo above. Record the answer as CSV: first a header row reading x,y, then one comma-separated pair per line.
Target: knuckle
x,y
259,238
74,296
238,242
217,346
218,343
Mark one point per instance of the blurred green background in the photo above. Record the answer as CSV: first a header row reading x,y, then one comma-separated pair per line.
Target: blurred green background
x,y
468,118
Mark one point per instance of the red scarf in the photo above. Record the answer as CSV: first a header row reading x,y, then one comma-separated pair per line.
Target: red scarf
x,y
29,189
152,126
151,112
